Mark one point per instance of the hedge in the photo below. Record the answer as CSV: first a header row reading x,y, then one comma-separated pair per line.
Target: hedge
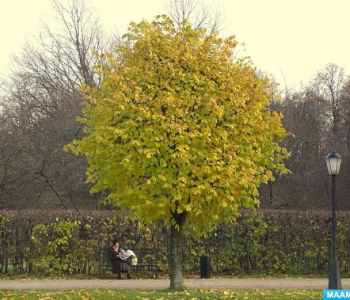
x,y
268,242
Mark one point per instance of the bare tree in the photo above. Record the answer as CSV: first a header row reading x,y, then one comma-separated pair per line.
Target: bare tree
x,y
42,103
194,11
328,85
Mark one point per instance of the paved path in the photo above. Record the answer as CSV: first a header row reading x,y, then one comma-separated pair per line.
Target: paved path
x,y
215,283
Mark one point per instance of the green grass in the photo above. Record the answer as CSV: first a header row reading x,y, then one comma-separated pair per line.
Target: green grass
x,y
160,294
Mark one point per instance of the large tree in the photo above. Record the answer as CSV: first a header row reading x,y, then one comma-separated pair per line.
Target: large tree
x,y
179,132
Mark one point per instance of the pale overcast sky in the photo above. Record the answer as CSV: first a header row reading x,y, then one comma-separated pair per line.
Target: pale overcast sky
x,y
290,39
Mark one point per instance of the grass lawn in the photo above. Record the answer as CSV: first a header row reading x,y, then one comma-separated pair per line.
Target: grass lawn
x,y
160,294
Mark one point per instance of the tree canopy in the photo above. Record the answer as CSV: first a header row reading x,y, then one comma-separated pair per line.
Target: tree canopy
x,y
178,126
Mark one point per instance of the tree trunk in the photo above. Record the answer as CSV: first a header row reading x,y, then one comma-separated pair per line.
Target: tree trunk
x,y
175,258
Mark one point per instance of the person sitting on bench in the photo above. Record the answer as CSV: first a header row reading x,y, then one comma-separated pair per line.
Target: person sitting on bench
x,y
119,265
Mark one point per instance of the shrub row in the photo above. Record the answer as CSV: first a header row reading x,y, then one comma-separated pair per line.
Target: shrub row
x,y
269,242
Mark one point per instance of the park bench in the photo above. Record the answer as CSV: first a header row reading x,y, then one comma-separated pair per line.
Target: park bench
x,y
147,261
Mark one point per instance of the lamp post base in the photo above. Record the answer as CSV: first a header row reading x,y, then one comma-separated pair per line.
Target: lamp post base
x,y
334,276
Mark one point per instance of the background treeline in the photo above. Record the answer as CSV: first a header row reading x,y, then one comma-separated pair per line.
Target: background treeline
x,y
40,100
269,242
318,118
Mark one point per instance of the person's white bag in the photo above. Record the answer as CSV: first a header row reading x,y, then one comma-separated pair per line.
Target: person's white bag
x,y
130,256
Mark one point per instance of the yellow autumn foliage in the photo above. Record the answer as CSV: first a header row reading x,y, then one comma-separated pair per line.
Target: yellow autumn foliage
x,y
178,126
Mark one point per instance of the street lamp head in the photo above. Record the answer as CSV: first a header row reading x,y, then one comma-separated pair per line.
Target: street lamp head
x,y
333,161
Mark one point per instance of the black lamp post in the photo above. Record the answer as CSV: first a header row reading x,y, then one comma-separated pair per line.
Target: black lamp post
x,y
333,161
